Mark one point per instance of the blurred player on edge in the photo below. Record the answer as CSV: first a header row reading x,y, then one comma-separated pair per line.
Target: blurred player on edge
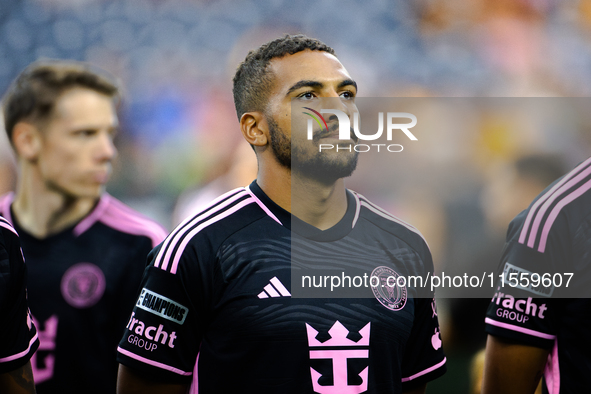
x,y
18,336
231,324
85,250
535,331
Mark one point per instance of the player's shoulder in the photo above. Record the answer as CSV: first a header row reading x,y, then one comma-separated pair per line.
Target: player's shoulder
x,y
210,228
5,224
6,227
557,211
8,242
5,202
7,233
120,217
223,216
386,221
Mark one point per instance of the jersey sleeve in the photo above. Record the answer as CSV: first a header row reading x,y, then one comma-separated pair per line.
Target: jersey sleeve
x,y
424,359
529,312
163,334
524,314
18,335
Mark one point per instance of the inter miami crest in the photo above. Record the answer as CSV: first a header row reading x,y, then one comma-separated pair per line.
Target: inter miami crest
x,y
83,285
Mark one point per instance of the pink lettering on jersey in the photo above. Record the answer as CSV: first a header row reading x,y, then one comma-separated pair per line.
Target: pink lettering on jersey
x,y
43,367
338,337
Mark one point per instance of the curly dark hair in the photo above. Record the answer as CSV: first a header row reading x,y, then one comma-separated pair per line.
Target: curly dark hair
x,y
33,94
253,79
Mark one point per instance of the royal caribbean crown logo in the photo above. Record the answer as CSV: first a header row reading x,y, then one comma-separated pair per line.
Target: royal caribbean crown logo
x,y
339,349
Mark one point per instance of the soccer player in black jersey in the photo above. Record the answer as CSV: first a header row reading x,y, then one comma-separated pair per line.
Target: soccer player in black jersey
x,y
537,331
18,335
85,250
215,313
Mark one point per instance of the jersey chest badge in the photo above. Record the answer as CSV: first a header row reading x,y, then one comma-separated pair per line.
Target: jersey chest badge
x,y
83,285
388,290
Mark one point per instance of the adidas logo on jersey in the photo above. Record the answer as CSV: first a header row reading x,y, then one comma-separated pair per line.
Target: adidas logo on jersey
x,y
274,289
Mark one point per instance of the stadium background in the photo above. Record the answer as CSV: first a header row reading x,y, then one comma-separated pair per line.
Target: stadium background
x,y
179,129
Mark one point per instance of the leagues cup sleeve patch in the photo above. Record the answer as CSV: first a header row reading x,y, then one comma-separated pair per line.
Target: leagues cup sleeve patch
x,y
162,306
523,313
161,337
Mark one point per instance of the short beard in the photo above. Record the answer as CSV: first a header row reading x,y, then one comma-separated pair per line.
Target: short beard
x,y
317,166
280,144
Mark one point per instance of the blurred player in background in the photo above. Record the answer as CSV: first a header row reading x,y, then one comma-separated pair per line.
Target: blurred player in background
x,y
7,172
532,331
231,324
18,335
85,250
509,187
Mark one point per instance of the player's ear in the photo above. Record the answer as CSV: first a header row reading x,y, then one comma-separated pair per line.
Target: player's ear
x,y
254,128
26,139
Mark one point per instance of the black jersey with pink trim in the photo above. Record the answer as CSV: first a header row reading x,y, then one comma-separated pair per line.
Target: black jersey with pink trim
x,y
82,282
18,335
216,310
552,238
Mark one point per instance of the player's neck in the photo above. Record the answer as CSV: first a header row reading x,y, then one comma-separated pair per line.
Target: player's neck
x,y
317,203
42,212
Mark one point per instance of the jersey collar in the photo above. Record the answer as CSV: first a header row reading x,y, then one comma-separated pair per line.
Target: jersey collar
x,y
298,226
76,229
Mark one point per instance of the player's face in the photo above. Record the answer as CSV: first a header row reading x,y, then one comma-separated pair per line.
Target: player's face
x,y
77,144
307,79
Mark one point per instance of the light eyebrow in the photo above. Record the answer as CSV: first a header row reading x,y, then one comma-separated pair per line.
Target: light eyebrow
x,y
305,83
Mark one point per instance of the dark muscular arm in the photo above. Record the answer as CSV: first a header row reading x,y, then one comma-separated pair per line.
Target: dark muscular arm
x,y
130,382
512,368
19,381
